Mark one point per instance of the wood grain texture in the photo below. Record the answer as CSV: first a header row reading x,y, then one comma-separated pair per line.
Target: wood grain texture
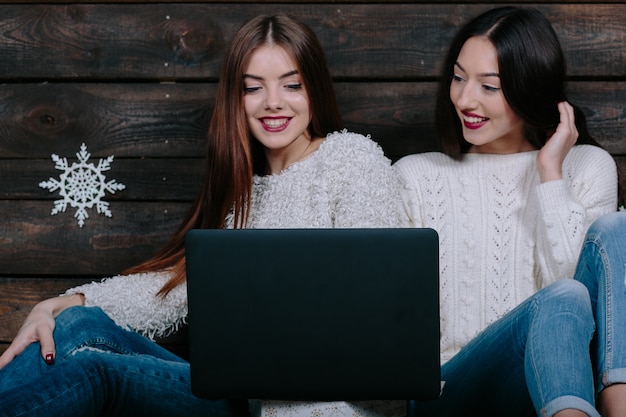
x,y
160,41
32,242
121,119
170,120
335,2
139,120
146,179
160,184
19,295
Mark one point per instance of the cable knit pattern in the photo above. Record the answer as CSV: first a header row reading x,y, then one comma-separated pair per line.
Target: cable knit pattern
x,y
346,183
503,235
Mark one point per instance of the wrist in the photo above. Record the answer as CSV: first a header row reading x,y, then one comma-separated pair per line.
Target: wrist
x,y
72,300
549,171
55,306
545,176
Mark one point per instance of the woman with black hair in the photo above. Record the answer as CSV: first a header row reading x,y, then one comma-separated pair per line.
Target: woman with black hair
x,y
518,183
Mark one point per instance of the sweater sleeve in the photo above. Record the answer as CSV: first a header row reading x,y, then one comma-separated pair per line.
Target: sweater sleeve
x,y
365,187
410,212
567,208
132,302
410,170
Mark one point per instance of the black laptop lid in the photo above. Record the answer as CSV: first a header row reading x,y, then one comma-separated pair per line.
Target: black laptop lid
x,y
314,314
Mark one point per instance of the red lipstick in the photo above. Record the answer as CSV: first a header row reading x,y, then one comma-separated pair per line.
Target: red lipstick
x,y
473,121
274,124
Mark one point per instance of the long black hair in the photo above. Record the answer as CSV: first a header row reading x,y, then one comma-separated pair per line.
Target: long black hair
x,y
532,75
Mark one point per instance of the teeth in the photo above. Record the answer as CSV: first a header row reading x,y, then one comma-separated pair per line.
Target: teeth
x,y
470,119
274,123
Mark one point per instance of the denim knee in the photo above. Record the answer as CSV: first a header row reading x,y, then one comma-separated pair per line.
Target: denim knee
x,y
568,295
78,314
80,322
612,224
79,327
567,291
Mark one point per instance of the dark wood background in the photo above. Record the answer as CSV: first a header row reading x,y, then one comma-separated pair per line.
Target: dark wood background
x,y
137,80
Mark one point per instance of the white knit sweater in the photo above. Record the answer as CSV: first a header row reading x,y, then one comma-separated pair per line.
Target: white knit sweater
x,y
346,183
503,235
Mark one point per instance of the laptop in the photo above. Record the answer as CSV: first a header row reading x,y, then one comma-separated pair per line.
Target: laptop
x,y
314,314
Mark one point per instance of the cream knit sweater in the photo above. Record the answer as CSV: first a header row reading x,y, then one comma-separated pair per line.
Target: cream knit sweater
x,y
347,182
503,235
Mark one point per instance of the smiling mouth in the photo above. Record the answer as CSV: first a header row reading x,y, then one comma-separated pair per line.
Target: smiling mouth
x,y
474,122
474,119
275,123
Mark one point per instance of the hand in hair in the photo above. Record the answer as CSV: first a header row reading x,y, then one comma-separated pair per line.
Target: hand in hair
x,y
552,154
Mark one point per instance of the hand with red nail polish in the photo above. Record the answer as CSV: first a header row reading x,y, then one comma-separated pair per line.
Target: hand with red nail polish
x,y
38,327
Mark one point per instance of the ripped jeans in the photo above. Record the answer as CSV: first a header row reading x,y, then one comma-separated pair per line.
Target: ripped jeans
x,y
536,358
100,369
602,268
537,354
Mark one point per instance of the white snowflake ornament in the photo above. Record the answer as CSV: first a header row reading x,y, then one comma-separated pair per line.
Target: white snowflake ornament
x,y
82,185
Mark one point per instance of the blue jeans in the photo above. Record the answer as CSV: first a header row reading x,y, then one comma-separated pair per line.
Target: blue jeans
x,y
602,268
537,354
101,369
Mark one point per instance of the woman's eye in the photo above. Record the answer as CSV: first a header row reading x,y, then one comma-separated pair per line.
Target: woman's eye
x,y
294,86
252,89
491,89
457,78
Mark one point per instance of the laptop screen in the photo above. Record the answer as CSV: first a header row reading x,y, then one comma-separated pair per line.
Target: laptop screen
x,y
314,314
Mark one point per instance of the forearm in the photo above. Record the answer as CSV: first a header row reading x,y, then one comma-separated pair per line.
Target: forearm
x,y
132,301
56,305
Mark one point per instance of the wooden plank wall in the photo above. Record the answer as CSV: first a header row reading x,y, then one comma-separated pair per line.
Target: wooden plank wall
x,y
137,80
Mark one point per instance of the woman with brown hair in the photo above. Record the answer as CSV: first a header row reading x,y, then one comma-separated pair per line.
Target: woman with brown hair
x,y
276,158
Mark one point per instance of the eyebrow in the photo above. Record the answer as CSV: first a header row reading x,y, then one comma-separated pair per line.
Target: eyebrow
x,y
484,74
285,75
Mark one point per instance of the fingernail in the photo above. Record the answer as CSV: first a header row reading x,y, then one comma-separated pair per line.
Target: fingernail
x,y
49,358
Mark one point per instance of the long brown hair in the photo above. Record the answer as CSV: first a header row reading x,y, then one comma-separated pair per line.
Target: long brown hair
x,y
233,155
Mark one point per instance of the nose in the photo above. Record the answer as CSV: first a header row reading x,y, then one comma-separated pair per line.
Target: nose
x,y
465,96
273,98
